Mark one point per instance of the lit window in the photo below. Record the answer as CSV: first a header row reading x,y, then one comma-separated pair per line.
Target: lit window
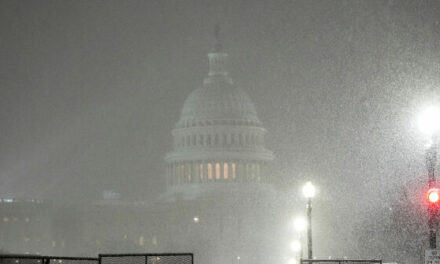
x,y
209,171
154,241
5,219
201,171
233,170
217,171
225,170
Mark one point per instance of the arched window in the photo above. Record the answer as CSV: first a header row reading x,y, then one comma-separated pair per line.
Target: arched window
x,y
217,171
201,171
209,171
225,171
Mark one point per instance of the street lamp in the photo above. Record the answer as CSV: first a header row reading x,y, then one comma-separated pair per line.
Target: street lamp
x,y
429,124
299,224
309,192
295,246
429,120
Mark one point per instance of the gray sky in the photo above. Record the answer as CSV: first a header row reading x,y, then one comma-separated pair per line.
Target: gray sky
x,y
90,90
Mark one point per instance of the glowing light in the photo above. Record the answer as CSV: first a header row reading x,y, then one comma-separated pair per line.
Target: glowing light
x,y
300,224
429,120
291,261
295,246
196,219
433,195
309,190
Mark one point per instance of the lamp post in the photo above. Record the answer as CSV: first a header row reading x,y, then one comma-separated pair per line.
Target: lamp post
x,y
309,192
429,124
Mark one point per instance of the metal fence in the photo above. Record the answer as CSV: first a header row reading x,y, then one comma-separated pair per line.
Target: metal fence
x,y
162,258
340,261
36,259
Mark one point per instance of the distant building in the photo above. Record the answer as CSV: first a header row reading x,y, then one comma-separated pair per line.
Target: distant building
x,y
219,202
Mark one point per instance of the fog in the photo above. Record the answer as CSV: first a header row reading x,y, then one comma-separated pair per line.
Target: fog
x,y
90,92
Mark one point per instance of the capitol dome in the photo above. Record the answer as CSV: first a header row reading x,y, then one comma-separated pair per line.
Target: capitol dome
x,y
219,100
218,138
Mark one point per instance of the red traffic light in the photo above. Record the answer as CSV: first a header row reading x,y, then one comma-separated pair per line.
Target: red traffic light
x,y
433,195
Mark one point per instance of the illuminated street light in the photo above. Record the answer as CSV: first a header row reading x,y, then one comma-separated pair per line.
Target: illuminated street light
x,y
433,195
292,261
429,120
429,124
300,224
309,192
295,246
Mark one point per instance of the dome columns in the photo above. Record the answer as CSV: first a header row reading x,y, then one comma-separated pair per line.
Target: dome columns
x,y
205,171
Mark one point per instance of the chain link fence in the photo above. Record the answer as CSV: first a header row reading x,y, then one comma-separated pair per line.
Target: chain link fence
x,y
163,258
340,261
35,259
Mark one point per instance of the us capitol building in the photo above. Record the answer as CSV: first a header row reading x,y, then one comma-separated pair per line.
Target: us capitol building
x,y
219,202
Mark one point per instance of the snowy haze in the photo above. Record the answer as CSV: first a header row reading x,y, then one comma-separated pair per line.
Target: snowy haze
x,y
90,90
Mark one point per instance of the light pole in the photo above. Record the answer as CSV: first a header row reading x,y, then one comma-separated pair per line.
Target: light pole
x,y
429,124
309,192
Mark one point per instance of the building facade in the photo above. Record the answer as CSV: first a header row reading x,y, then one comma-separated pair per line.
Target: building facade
x,y
219,201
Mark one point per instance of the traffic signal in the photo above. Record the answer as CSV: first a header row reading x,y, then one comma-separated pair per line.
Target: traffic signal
x,y
433,196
